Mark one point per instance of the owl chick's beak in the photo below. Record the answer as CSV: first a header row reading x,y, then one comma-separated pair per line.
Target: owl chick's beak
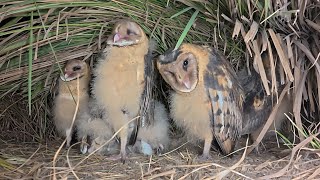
x,y
187,83
116,38
67,76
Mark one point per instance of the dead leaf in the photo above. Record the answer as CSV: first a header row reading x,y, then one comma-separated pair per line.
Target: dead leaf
x,y
236,29
313,25
262,72
252,32
283,59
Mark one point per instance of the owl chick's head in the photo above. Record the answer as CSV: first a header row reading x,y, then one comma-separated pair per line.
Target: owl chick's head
x,y
126,33
179,68
74,69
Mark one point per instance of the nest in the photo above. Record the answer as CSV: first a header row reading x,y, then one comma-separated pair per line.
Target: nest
x,y
38,37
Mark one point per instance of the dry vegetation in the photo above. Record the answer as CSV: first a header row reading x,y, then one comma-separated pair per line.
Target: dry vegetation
x,y
38,36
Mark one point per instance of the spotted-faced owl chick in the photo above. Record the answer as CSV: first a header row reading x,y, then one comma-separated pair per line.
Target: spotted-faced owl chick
x,y
258,106
120,78
206,99
155,136
74,72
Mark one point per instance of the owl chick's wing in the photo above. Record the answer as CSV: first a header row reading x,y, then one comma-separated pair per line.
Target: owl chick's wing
x,y
225,98
146,111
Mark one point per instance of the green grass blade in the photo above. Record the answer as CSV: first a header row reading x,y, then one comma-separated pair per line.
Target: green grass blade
x,y
30,64
180,12
186,29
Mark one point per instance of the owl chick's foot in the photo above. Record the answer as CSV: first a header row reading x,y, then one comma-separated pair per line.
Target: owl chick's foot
x,y
259,149
122,157
203,157
84,145
160,149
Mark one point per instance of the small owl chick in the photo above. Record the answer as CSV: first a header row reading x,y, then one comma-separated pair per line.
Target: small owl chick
x,y
65,101
155,135
206,99
258,106
94,132
120,78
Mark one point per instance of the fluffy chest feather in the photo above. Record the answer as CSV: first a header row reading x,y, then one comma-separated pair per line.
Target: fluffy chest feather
x,y
120,78
192,112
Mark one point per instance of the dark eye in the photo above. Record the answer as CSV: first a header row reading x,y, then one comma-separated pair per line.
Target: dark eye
x,y
76,68
185,62
129,32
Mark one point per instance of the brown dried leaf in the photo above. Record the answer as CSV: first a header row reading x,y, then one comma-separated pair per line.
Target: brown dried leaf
x,y
252,32
297,103
318,84
302,8
290,53
308,53
262,72
265,40
297,75
282,76
273,69
312,106
283,59
313,25
236,29
243,33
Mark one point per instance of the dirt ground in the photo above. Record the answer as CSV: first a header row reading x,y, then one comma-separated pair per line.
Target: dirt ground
x,y
35,161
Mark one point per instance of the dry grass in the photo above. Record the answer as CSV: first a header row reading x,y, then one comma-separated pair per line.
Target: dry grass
x,y
35,161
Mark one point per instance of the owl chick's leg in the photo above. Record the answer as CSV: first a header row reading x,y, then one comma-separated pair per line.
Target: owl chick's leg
x,y
123,144
69,137
253,137
206,149
120,120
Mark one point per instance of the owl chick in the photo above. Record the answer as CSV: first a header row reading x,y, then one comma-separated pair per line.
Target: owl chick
x,y
156,135
67,96
258,106
120,76
206,99
94,132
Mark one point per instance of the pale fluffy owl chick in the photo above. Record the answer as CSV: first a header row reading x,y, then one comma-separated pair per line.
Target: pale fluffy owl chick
x,y
95,133
206,100
155,136
120,78
75,71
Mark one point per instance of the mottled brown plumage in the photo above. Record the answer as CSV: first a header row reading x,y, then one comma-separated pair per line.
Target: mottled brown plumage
x,y
207,99
258,105
75,71
120,78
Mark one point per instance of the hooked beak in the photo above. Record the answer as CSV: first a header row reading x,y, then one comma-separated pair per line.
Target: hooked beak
x,y
66,76
116,38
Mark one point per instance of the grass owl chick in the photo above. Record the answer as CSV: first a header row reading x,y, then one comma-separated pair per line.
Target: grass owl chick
x,y
119,82
206,100
67,96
